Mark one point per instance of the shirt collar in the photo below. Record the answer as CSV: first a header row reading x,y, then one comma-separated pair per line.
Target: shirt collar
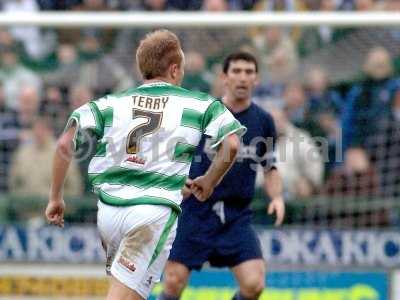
x,y
155,83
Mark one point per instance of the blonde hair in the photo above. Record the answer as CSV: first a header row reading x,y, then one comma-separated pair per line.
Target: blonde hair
x,y
156,52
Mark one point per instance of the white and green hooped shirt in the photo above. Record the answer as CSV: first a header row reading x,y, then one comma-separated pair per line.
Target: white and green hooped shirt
x,y
146,139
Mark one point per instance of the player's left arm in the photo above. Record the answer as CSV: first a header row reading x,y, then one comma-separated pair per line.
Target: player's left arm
x,y
273,185
273,188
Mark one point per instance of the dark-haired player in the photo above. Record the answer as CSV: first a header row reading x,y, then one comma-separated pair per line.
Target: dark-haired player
x,y
219,230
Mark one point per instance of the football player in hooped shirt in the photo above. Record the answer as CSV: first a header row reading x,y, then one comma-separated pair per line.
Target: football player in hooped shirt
x,y
144,139
223,235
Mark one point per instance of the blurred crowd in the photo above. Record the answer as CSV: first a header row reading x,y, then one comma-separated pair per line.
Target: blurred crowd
x,y
347,133
206,5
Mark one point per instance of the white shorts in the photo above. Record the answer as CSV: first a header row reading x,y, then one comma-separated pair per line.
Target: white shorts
x,y
137,240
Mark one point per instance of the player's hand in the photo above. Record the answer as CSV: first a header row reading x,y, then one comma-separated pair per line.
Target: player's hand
x,y
277,206
55,212
202,188
186,191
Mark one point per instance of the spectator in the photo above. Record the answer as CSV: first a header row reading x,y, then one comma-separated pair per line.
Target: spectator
x,y
28,100
323,112
298,158
392,5
79,95
321,98
217,86
30,36
89,47
281,57
14,76
6,39
282,5
314,38
155,5
225,5
357,177
101,73
149,5
295,103
312,5
67,67
328,5
9,131
58,5
74,36
31,169
195,73
357,182
364,5
384,148
242,4
279,62
215,5
160,5
370,99
55,108
191,5
94,5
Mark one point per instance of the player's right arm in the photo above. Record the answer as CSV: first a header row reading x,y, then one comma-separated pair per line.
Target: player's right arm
x,y
203,186
224,131
84,126
61,162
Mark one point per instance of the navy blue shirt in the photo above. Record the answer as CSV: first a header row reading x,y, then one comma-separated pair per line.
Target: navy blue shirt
x,y
238,186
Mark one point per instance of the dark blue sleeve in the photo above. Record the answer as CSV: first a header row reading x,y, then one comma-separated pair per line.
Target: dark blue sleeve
x,y
268,149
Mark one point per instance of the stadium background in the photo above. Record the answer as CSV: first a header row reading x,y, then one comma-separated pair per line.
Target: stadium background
x,y
338,88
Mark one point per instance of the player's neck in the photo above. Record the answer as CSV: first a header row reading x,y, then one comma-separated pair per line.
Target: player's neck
x,y
159,80
236,105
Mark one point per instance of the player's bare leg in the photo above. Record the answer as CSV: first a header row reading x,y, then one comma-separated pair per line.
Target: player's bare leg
x,y
176,276
119,291
251,277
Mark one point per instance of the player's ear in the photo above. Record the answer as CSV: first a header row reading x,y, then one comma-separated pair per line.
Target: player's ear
x,y
223,76
174,71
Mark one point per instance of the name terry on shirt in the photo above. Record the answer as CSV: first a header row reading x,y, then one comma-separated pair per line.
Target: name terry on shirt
x,y
152,103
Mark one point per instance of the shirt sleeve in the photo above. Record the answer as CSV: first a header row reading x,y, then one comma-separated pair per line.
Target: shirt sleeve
x,y
218,123
87,119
